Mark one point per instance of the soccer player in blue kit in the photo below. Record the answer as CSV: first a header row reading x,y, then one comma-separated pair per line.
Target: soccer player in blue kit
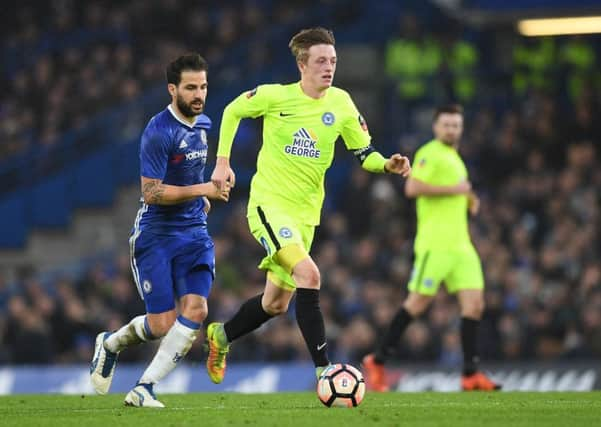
x,y
172,254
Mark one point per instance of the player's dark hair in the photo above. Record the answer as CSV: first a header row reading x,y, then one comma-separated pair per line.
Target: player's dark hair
x,y
448,109
304,39
187,62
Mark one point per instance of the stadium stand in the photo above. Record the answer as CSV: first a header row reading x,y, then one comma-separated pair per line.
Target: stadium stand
x,y
75,104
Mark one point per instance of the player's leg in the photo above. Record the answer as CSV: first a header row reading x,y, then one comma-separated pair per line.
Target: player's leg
x,y
428,271
174,346
308,312
274,232
251,315
467,281
193,274
148,265
413,306
142,395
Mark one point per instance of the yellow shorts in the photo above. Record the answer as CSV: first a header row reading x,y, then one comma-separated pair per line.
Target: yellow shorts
x,y
275,230
458,270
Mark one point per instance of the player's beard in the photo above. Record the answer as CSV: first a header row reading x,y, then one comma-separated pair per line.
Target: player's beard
x,y
186,108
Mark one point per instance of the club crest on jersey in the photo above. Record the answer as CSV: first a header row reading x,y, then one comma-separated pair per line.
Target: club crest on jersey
x,y
304,144
251,93
285,232
362,122
328,119
147,286
203,136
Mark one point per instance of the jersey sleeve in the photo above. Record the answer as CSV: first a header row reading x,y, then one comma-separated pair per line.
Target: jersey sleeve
x,y
251,104
354,127
154,153
424,166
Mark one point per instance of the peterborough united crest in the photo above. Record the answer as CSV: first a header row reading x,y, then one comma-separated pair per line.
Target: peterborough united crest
x,y
328,119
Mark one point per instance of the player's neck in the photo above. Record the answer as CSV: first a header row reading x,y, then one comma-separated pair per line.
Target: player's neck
x,y
312,92
454,145
178,113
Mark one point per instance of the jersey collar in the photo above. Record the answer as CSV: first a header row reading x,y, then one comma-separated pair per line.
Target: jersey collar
x,y
180,120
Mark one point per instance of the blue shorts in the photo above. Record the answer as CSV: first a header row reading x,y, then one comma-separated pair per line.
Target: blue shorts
x,y
166,267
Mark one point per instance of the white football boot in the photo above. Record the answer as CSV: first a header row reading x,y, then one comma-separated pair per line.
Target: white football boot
x,y
142,396
103,365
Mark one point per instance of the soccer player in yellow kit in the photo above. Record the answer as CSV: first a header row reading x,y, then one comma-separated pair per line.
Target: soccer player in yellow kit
x,y
443,249
302,121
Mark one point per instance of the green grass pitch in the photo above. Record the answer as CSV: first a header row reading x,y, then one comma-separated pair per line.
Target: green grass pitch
x,y
303,409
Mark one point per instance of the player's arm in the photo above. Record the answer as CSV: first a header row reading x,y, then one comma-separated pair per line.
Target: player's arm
x,y
249,104
155,149
376,163
157,193
357,139
415,188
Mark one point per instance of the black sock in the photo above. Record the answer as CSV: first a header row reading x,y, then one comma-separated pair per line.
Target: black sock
x,y
469,343
248,318
310,322
388,343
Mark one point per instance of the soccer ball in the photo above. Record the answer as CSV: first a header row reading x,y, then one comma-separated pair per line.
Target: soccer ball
x,y
341,385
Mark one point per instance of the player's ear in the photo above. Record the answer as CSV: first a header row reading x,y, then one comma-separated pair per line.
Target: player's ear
x,y
301,66
171,88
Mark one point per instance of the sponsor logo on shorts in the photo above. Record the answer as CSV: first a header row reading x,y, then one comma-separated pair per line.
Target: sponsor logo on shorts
x,y
285,232
147,286
428,283
328,119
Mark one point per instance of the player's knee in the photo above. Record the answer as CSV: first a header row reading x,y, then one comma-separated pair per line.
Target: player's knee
x,y
196,311
416,306
474,309
308,277
196,314
275,307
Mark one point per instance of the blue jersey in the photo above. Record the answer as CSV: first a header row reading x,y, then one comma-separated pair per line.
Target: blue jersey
x,y
175,152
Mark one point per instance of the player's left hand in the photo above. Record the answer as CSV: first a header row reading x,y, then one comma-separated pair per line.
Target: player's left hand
x,y
207,205
473,203
399,165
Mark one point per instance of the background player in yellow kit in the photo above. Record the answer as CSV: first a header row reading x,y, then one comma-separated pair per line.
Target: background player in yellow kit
x,y
302,122
443,249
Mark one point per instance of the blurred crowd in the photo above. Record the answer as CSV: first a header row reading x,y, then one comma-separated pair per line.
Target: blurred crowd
x,y
537,233
534,161
65,61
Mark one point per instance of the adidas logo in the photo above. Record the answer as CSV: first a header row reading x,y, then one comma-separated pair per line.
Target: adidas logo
x,y
183,144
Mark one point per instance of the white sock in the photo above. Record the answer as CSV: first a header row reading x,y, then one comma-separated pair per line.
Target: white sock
x,y
173,348
135,332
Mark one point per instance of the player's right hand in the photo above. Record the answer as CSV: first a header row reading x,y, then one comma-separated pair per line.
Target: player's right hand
x,y
223,173
214,192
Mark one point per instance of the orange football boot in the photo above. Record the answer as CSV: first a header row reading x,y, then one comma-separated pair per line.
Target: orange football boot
x,y
375,374
478,381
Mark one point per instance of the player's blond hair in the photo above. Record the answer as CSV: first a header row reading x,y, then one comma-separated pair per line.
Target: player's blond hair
x,y
304,39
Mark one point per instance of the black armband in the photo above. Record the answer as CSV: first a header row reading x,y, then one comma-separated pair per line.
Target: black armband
x,y
362,153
